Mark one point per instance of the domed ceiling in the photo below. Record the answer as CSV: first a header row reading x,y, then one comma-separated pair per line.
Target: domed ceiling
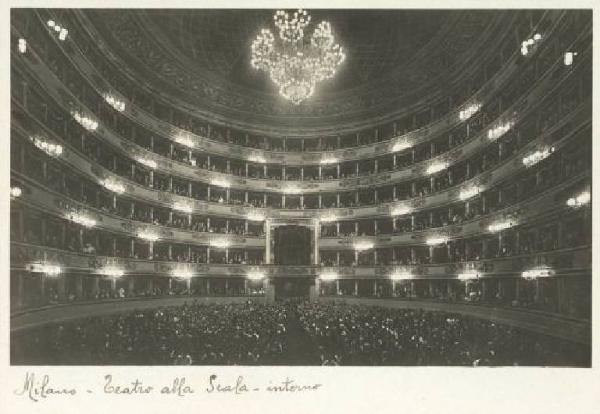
x,y
202,57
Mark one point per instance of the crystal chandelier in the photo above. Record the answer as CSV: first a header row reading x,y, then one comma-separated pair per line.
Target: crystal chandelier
x,y
294,62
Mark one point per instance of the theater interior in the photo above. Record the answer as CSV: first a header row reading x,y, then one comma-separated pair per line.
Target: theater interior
x,y
322,187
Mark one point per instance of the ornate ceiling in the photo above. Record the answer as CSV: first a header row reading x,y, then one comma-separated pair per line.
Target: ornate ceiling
x,y
202,58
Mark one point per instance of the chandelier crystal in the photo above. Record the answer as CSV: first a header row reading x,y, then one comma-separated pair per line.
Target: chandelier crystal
x,y
295,62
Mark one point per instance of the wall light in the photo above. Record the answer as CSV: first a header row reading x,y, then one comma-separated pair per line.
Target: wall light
x,y
436,167
15,192
537,156
328,218
401,145
537,273
255,275
467,193
401,275
292,190
114,102
185,141
85,121
255,216
182,273
220,182
112,271
363,245
569,57
529,44
148,235
469,111
22,45
499,226
183,207
469,275
147,162
401,210
329,276
113,185
436,240
257,158
329,160
81,219
49,147
220,243
48,269
579,200
499,130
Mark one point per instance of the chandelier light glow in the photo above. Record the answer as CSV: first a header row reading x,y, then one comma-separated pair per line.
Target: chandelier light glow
x,y
295,62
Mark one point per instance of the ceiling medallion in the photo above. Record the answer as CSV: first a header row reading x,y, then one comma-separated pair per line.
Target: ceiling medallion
x,y
294,62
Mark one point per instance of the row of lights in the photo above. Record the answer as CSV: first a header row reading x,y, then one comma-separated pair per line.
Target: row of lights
x,y
528,47
536,273
185,273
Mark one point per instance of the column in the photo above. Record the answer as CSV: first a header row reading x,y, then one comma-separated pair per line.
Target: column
x,y
356,288
337,287
267,241
317,229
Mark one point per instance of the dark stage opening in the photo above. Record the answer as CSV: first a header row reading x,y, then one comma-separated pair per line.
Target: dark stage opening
x,y
292,245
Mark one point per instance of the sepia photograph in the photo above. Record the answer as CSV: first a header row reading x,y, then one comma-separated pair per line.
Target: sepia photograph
x,y
300,187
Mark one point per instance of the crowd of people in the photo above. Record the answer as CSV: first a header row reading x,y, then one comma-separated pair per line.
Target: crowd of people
x,y
265,334
365,335
193,333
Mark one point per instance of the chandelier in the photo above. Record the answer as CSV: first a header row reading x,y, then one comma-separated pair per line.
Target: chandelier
x,y
294,62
